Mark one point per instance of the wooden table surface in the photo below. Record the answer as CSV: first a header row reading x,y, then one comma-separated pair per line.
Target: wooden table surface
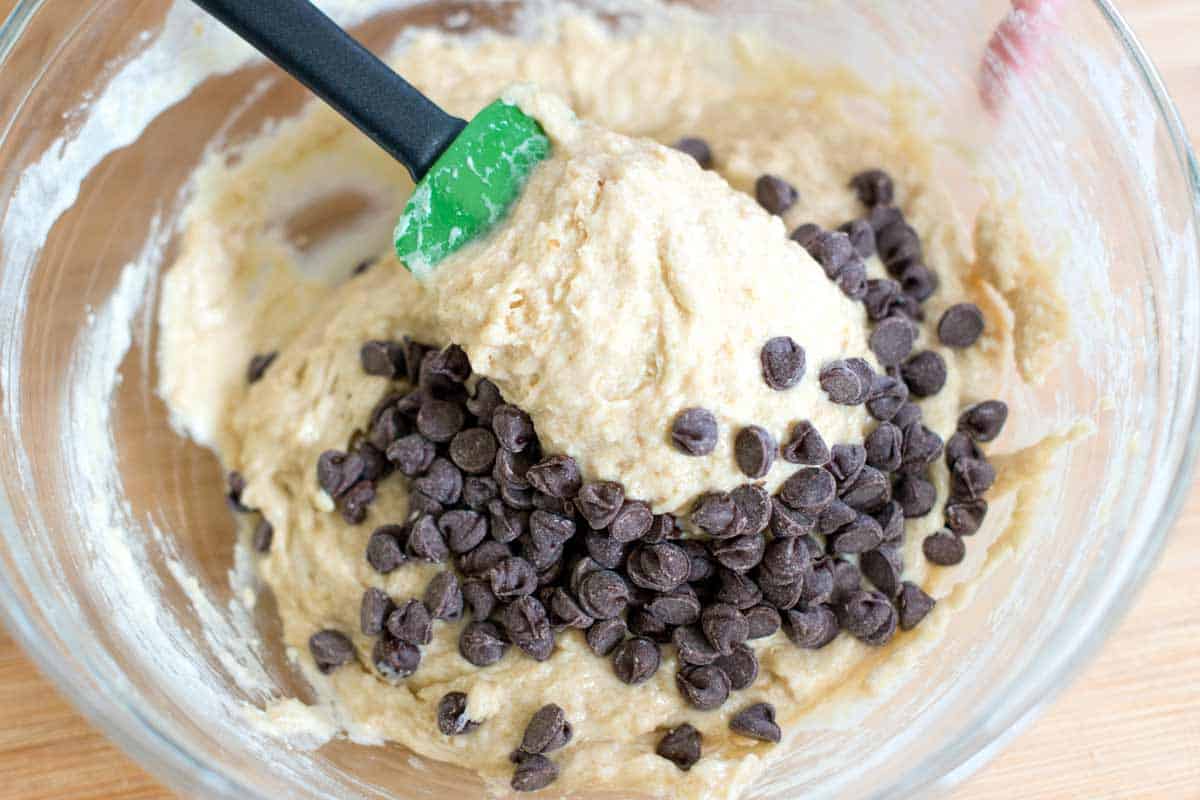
x,y
1129,727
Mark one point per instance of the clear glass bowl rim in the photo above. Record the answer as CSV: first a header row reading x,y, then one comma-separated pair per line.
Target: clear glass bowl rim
x,y
979,739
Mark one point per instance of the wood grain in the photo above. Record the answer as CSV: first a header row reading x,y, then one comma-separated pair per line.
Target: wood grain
x,y
1128,728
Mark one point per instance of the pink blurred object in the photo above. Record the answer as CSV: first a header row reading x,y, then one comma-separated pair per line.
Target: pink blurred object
x,y
1016,48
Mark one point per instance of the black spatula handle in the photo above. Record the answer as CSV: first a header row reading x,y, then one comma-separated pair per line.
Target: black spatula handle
x,y
309,45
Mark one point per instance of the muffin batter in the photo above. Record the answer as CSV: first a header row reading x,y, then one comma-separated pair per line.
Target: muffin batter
x,y
626,285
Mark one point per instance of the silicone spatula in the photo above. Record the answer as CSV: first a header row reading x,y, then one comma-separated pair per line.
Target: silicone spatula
x,y
467,174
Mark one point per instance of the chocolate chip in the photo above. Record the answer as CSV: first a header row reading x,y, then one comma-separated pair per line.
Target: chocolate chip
x,y
439,420
580,569
632,522
443,482
383,359
883,567
874,188
960,445
754,450
775,194
706,688
678,607
898,243
412,455
914,605
483,558
692,645
805,445
740,666
846,580
395,659
785,560
861,535
862,236
599,502
763,621
965,516
984,421
832,250
740,554
846,462
920,449
516,498
881,216
534,772
924,373
387,428
604,550
408,405
805,234
680,746
783,363
884,446
485,401
892,340
603,594
506,524
714,513
478,597
888,395
852,279
916,495
512,578
724,626
481,644
564,611
474,450
330,649
385,548
881,297
869,492
694,432
444,597
658,567
557,476
838,515
841,383
918,282
478,493
737,589
528,627
891,519
635,660
810,628
961,325
374,610
970,478
604,636
355,502
697,149
258,366
944,548
547,731
782,595
550,530
513,428
757,722
662,528
264,532
869,617
819,584
463,530
700,564
907,414
452,719
809,490
425,541
543,553
337,473
411,623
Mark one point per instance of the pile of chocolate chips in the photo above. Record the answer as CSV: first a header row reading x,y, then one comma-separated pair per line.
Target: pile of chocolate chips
x,y
532,550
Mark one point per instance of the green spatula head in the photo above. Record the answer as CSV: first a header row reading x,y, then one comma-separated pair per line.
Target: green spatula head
x,y
471,186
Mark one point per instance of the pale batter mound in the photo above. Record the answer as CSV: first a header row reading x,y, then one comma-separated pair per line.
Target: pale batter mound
x,y
626,285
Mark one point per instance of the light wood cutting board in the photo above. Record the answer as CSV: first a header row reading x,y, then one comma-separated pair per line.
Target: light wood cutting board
x,y
1128,728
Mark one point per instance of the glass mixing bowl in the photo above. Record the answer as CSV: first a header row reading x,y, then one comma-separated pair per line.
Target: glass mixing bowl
x,y
115,562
